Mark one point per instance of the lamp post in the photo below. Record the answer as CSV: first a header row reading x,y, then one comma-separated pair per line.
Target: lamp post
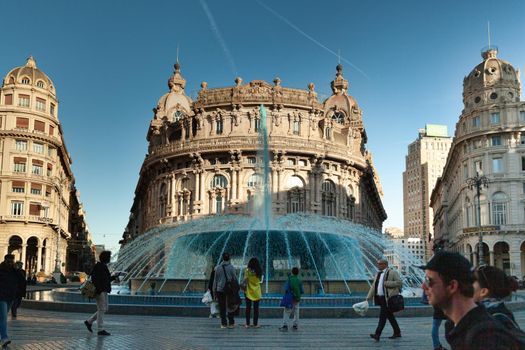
x,y
479,181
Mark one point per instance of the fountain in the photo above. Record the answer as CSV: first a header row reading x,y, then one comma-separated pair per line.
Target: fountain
x,y
335,256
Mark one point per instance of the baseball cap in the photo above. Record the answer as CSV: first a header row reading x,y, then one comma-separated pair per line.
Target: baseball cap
x,y
452,265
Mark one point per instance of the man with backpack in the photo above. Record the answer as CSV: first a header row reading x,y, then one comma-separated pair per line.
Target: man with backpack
x,y
448,285
226,291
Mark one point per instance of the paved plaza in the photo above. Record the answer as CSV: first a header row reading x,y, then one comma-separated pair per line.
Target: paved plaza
x,y
35,329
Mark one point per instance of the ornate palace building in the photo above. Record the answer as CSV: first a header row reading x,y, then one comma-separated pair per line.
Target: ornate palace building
x,y
203,155
489,141
36,181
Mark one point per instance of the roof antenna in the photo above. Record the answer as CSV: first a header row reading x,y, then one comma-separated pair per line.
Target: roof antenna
x,y
178,53
338,56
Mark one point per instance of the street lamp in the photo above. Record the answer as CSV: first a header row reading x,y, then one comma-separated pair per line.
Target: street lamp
x,y
479,181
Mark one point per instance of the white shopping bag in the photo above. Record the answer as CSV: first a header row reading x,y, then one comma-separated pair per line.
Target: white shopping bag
x,y
206,299
214,308
361,308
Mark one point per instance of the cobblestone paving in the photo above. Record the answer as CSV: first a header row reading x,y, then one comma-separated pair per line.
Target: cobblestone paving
x,y
42,330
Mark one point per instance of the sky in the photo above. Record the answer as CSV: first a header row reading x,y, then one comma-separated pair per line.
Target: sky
x,y
110,61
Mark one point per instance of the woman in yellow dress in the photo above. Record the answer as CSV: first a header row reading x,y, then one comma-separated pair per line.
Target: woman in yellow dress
x,y
253,280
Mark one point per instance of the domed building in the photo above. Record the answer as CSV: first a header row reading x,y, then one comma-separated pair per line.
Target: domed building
x,y
203,156
36,181
489,142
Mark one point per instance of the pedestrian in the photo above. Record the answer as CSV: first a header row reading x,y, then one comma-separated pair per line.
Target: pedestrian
x,y
294,285
387,283
20,289
448,285
8,288
101,278
225,272
253,279
491,286
437,318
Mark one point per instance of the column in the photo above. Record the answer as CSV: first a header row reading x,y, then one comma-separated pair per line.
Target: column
x,y
515,263
23,258
238,183
38,258
491,259
233,185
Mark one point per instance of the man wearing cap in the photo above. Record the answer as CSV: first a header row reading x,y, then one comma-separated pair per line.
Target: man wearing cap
x,y
8,287
448,285
387,283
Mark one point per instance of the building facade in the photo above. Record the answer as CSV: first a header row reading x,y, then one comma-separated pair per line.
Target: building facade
x,y
489,141
203,155
405,253
36,181
424,164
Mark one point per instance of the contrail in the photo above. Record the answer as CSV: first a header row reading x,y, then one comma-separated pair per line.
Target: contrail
x,y
217,33
297,29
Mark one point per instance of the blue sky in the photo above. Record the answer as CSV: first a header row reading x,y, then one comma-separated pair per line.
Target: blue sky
x,y
110,61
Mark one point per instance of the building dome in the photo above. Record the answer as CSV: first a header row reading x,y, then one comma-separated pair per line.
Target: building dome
x,y
175,100
490,81
29,74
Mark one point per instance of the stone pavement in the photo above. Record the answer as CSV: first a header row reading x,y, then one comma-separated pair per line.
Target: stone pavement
x,y
35,329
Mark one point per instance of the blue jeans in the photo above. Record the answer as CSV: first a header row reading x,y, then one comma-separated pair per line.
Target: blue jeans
x,y
4,306
436,323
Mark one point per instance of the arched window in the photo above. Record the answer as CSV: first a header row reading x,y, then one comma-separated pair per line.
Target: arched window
x,y
219,181
339,117
40,84
467,212
218,204
328,198
25,80
255,181
296,195
296,127
499,208
350,203
219,125
178,115
162,198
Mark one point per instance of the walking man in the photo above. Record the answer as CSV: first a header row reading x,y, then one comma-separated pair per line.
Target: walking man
x,y
387,283
8,287
101,278
223,273
20,288
448,285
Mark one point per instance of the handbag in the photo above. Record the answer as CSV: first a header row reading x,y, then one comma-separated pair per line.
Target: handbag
x,y
396,303
88,289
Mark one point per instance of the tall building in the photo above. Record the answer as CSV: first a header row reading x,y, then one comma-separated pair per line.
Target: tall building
x,y
202,156
424,164
36,181
489,141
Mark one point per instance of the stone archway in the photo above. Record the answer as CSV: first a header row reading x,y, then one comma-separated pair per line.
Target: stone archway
x,y
501,256
15,247
486,254
30,265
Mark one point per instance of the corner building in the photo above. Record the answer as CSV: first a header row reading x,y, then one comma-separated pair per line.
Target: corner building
x,y
203,155
489,140
36,181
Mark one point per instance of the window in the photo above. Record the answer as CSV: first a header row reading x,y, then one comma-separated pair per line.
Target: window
x,y
522,163
8,99
51,130
524,187
17,208
37,168
255,180
478,166
218,204
21,145
339,117
20,165
328,198
302,162
296,127
476,121
291,161
178,115
18,186
494,118
257,124
40,84
36,189
497,165
38,148
499,209
52,109
465,171
23,100
40,104
496,140
22,123
25,80
252,160
219,126
219,181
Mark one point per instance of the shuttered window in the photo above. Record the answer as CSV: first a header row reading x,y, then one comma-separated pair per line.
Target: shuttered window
x,y
8,99
18,186
22,123
36,188
51,130
40,126
34,209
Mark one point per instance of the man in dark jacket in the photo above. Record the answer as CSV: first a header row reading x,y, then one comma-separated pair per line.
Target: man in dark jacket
x,y
448,285
8,287
223,273
21,287
101,278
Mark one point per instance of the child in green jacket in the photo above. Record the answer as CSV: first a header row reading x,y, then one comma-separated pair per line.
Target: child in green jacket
x,y
295,286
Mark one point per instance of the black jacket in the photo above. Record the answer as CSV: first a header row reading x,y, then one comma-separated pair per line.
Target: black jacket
x,y
22,283
8,282
477,330
101,278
